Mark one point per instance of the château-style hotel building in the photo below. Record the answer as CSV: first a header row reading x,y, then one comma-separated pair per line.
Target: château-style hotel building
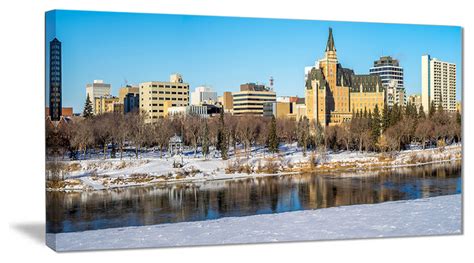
x,y
334,93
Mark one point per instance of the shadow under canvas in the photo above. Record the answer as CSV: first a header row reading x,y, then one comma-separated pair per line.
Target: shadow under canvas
x,y
36,232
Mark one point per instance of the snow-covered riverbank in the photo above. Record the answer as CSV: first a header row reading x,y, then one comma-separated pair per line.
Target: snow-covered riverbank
x,y
97,174
430,216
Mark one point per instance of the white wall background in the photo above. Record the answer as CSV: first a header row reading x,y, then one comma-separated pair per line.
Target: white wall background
x,y
22,132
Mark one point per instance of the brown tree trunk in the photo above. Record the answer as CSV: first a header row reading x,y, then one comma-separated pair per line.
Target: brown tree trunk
x,y
105,150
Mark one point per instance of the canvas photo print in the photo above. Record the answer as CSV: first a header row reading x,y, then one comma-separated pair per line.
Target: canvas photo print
x,y
183,130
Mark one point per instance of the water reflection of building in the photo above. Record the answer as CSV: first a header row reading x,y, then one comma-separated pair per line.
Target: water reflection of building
x,y
210,200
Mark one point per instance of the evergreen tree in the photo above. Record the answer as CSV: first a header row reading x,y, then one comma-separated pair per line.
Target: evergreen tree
x,y
369,128
421,113
303,134
385,117
440,106
414,111
394,115
88,112
458,117
220,130
409,111
376,122
272,136
319,135
205,140
222,143
432,109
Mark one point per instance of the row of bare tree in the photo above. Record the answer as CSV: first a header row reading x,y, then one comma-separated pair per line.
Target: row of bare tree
x,y
389,130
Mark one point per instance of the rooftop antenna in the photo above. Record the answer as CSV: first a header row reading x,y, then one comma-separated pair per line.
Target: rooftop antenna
x,y
271,83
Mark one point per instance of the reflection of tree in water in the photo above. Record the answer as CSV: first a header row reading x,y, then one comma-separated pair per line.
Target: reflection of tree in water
x,y
210,200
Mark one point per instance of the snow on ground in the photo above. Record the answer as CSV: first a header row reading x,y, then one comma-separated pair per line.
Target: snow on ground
x,y
98,174
430,216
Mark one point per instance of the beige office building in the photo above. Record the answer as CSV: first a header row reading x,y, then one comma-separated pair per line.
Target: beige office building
x,y
107,104
154,95
128,89
438,83
251,98
285,107
227,101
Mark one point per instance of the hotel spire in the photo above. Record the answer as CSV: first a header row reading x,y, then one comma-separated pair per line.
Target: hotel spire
x,y
330,45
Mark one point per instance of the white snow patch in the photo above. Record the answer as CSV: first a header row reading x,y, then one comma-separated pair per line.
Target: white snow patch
x,y
198,169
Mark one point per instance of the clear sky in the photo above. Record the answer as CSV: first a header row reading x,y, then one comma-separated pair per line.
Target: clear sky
x,y
224,52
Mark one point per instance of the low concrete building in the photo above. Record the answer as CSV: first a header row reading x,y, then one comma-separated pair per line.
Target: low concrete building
x,y
204,111
203,95
284,107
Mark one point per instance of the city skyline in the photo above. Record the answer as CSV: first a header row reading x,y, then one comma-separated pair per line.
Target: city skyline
x,y
224,52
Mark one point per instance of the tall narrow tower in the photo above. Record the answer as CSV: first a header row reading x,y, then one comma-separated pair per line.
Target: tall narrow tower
x,y
329,66
55,80
329,62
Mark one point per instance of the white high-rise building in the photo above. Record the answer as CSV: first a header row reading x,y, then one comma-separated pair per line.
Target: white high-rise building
x,y
202,95
438,83
98,89
395,94
388,69
391,75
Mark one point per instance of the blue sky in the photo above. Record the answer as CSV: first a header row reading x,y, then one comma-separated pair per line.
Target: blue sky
x,y
224,52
